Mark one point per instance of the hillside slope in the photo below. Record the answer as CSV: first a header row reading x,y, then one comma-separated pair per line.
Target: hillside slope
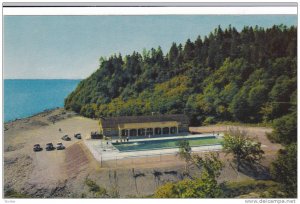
x,y
248,76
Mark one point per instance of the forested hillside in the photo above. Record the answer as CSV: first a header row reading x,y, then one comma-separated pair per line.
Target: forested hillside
x,y
247,76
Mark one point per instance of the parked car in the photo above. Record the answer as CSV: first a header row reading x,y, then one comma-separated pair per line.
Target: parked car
x,y
78,136
49,147
66,138
60,146
96,135
37,148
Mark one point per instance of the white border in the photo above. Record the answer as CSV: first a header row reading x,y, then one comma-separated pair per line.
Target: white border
x,y
117,11
148,10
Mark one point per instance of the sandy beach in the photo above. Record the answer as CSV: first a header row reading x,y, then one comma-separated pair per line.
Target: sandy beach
x,y
62,173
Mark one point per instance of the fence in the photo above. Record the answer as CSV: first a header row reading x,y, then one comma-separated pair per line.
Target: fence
x,y
145,159
112,158
155,157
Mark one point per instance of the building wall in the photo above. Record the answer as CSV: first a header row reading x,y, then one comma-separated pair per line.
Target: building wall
x,y
182,127
110,132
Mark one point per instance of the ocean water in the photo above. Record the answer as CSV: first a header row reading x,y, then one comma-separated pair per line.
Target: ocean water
x,y
26,97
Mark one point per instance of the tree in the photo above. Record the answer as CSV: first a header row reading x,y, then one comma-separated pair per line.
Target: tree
x,y
239,106
185,151
284,170
173,55
188,51
242,147
285,129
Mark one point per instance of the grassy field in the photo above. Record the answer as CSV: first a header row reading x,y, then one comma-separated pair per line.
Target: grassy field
x,y
205,142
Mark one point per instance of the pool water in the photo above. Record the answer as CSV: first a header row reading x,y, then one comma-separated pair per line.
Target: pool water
x,y
166,143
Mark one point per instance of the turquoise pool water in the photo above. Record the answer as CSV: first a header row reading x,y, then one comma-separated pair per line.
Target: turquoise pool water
x,y
166,143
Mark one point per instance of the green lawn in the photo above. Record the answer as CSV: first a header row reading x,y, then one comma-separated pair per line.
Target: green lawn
x,y
205,142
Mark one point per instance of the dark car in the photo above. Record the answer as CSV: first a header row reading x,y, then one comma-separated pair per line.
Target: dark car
x,y
37,148
66,138
49,147
60,146
96,135
78,136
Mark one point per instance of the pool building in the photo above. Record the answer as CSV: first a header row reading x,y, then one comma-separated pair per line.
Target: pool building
x,y
139,126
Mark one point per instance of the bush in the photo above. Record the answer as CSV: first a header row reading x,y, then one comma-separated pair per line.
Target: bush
x,y
209,120
285,129
235,189
11,193
95,188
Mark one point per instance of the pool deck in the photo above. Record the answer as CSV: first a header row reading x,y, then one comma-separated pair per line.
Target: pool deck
x,y
104,152
171,137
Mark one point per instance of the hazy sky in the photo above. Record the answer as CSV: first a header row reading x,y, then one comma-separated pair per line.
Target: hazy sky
x,y
70,46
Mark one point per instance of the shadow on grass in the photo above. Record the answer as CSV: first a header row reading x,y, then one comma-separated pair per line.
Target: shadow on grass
x,y
255,170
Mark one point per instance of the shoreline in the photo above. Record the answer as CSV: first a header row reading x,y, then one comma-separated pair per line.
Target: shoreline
x,y
55,114
45,111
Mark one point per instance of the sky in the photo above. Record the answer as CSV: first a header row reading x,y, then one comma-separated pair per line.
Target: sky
x,y
69,47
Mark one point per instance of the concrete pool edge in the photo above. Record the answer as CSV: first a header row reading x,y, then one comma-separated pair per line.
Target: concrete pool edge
x,y
103,152
163,148
142,144
175,137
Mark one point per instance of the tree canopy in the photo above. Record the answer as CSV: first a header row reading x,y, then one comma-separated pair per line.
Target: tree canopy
x,y
247,76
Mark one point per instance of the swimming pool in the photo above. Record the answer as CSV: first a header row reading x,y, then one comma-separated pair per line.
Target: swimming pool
x,y
166,143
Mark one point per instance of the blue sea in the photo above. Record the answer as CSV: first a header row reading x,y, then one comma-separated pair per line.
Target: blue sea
x,y
26,97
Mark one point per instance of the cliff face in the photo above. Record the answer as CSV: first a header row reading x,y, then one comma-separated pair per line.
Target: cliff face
x,y
228,75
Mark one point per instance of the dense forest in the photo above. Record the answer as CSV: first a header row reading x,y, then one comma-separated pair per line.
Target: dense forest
x,y
248,76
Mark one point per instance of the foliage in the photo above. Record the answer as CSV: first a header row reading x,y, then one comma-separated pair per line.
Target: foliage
x,y
185,150
248,76
188,189
262,188
95,188
205,186
242,147
209,120
11,193
210,164
285,129
284,170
